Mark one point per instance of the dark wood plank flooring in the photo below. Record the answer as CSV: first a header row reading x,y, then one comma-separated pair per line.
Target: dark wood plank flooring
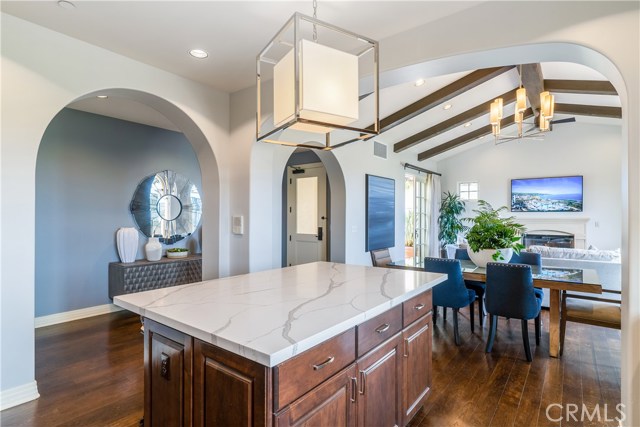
x,y
89,373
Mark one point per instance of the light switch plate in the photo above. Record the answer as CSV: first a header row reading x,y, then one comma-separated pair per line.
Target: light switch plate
x,y
238,224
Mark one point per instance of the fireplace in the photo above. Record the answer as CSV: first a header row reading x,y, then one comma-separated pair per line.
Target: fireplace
x,y
556,239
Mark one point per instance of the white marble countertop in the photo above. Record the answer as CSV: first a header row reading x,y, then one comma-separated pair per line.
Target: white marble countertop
x,y
273,315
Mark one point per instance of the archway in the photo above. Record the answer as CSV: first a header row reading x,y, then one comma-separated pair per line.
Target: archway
x,y
90,297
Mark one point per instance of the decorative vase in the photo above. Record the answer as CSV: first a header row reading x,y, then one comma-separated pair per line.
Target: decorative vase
x,y
127,243
153,249
484,256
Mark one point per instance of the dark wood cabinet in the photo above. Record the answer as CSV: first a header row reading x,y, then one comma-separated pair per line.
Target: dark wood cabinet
x,y
229,390
377,373
379,391
333,403
416,366
168,374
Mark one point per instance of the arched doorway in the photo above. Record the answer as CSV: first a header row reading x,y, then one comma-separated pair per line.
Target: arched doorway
x,y
97,180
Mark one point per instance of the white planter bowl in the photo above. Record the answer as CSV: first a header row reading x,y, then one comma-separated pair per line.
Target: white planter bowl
x,y
484,256
177,254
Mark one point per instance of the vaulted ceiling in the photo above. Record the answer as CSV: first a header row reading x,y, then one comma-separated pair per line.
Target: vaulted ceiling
x,y
413,118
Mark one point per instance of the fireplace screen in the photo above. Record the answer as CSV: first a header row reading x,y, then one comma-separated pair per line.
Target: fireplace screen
x,y
552,240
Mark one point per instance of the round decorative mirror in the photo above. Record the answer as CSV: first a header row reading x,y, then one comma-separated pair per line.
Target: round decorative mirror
x,y
166,205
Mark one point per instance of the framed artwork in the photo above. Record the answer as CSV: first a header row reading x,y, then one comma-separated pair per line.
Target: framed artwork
x,y
380,212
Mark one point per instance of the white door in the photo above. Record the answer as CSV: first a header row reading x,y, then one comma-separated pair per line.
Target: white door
x,y
306,214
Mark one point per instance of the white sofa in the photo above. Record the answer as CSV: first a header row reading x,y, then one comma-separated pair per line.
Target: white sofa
x,y
606,263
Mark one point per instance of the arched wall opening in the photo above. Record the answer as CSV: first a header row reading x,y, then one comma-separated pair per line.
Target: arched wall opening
x,y
76,166
268,163
569,52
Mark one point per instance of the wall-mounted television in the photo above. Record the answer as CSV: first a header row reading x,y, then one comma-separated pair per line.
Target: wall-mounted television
x,y
553,194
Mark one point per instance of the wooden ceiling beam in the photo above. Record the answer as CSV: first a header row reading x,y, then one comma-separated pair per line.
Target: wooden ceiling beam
x,y
440,96
468,137
533,82
583,87
452,123
589,110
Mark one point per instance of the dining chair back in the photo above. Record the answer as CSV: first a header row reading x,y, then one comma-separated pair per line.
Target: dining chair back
x,y
380,257
452,292
524,257
477,286
510,294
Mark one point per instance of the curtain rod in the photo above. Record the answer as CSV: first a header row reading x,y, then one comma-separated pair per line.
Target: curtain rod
x,y
419,169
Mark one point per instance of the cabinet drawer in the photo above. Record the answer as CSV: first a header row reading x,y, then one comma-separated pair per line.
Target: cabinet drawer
x,y
416,307
377,330
298,375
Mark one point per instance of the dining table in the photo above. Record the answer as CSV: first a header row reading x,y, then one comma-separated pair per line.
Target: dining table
x,y
556,279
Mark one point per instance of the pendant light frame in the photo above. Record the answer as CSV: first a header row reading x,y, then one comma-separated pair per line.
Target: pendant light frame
x,y
279,43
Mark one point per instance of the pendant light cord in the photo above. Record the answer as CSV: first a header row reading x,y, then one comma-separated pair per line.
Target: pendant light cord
x,y
315,16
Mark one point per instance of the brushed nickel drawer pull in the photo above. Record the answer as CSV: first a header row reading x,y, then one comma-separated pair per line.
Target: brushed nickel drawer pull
x,y
354,386
418,307
323,364
380,329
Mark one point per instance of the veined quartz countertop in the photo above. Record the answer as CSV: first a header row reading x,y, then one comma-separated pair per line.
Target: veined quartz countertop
x,y
271,316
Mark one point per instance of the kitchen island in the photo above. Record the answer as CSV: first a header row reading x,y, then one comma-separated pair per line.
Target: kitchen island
x,y
325,343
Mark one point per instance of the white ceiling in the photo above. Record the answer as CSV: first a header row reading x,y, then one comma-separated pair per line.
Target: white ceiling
x,y
160,33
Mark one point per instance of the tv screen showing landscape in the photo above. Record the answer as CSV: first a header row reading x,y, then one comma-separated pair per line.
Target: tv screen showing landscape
x,y
557,194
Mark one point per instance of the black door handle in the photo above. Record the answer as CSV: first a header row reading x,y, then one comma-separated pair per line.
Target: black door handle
x,y
319,233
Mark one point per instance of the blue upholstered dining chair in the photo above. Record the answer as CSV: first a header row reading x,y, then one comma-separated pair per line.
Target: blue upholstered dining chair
x,y
452,292
477,287
510,293
529,258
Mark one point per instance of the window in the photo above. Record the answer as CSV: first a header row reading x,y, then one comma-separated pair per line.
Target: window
x,y
468,190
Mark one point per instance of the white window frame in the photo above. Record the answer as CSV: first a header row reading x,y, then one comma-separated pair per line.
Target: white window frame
x,y
468,193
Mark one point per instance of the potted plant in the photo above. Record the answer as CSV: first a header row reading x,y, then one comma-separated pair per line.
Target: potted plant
x,y
492,237
449,221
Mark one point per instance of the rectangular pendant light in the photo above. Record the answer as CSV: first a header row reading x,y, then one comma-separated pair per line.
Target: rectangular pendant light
x,y
310,81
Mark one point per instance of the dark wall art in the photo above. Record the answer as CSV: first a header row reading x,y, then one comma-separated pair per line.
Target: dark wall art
x,y
380,196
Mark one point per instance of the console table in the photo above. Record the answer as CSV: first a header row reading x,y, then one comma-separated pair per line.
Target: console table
x,y
142,275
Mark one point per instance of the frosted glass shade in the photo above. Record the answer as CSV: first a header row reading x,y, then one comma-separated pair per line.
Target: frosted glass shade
x,y
496,112
546,105
328,90
521,102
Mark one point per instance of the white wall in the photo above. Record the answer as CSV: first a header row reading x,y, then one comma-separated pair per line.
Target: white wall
x,y
591,150
43,71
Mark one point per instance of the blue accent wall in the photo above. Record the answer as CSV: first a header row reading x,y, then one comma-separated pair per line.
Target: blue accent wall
x,y
87,170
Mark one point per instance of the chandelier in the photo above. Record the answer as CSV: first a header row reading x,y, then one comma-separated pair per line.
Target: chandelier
x,y
309,79
544,117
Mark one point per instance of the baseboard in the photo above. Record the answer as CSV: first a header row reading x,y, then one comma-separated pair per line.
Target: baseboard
x,y
67,316
18,395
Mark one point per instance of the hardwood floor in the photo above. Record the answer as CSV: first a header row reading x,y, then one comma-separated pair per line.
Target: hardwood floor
x,y
89,373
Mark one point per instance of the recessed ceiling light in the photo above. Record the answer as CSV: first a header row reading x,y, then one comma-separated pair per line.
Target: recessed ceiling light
x,y
101,96
66,4
419,82
198,53
447,106
467,124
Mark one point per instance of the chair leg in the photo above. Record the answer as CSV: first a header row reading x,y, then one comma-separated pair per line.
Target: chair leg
x,y
563,329
525,339
444,314
538,329
493,320
471,314
435,313
456,335
480,310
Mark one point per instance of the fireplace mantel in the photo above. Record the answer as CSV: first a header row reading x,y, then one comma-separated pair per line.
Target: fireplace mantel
x,y
575,226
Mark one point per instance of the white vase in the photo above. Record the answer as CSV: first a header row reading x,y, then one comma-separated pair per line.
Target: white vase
x,y
484,256
127,243
153,249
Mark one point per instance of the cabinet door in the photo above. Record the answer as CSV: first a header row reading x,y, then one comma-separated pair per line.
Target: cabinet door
x,y
330,404
416,366
379,391
167,376
229,390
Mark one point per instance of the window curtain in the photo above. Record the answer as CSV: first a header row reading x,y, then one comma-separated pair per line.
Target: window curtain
x,y
434,197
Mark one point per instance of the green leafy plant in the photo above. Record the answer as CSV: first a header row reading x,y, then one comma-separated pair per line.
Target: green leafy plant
x,y
449,221
177,250
491,231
